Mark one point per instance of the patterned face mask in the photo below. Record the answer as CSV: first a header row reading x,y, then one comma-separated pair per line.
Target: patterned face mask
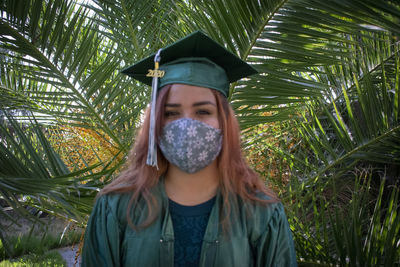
x,y
189,144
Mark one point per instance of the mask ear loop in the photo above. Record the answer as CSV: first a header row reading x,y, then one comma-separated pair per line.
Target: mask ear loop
x,y
152,148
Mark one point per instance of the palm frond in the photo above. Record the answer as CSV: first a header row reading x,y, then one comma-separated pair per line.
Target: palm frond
x,y
31,169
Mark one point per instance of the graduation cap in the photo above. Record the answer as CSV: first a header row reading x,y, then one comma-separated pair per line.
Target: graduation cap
x,y
194,60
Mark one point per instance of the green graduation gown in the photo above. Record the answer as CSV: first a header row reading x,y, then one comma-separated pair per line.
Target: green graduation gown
x,y
258,235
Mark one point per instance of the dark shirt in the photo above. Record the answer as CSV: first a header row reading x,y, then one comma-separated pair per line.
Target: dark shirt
x,y
189,223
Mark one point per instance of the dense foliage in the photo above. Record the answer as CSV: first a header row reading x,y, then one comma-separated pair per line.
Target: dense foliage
x,y
320,122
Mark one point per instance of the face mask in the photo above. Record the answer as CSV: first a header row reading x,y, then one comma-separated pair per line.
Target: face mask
x,y
190,144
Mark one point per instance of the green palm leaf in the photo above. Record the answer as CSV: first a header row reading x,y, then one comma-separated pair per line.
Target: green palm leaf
x,y
328,84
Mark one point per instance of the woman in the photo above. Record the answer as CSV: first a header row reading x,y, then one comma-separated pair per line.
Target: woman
x,y
187,196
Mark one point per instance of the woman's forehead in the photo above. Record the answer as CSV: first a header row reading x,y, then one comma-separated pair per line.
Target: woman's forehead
x,y
189,93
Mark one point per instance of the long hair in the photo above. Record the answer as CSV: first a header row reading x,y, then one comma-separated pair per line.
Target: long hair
x,y
236,178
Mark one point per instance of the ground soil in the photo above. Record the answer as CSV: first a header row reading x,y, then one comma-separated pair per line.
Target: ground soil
x,y
47,224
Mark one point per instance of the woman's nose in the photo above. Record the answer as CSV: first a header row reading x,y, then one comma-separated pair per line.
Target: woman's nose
x,y
187,114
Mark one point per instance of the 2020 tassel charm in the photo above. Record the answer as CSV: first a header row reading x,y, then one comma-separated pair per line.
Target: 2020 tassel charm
x,y
152,147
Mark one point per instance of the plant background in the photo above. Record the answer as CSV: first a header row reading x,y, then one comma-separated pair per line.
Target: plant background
x,y
320,122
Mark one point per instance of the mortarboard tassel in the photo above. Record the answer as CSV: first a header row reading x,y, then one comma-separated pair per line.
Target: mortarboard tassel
x,y
152,148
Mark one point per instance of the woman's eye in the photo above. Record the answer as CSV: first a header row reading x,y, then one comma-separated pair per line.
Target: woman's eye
x,y
203,112
170,113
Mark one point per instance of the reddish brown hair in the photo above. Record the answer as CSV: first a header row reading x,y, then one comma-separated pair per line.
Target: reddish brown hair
x,y
236,177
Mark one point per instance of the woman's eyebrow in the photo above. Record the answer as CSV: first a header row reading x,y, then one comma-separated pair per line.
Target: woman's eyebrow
x,y
203,103
172,105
